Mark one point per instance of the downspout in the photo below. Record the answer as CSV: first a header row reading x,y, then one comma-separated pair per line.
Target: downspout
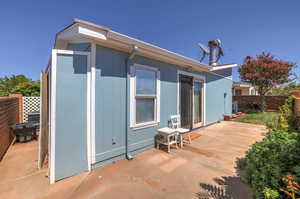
x,y
131,56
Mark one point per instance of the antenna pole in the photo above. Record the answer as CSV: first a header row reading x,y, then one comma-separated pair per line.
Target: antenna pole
x,y
212,55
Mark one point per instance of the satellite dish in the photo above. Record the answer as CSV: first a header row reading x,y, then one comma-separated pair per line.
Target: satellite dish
x,y
205,51
214,51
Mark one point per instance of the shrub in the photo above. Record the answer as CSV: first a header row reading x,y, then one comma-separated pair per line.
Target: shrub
x,y
269,160
287,120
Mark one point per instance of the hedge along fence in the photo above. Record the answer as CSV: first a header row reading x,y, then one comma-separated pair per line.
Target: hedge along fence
x,y
250,102
9,115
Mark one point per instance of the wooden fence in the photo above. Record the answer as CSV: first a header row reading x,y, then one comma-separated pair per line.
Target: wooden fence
x,y
248,102
9,115
44,124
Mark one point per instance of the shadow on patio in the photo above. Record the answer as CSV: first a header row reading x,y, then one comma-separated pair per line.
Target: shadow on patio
x,y
225,187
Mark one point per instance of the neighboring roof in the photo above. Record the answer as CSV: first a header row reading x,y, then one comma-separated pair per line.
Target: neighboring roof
x,y
83,30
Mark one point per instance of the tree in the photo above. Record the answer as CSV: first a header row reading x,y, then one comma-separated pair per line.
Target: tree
x,y
265,72
19,84
27,88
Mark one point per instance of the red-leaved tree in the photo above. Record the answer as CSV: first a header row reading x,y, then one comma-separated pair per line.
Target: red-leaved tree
x,y
265,72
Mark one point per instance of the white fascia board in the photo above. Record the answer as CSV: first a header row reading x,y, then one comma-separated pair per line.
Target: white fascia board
x,y
85,30
92,32
79,31
222,67
157,50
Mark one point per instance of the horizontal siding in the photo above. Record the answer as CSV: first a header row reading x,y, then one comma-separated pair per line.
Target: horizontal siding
x,y
110,107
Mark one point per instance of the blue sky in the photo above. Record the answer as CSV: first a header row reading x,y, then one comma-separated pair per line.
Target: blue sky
x,y
246,28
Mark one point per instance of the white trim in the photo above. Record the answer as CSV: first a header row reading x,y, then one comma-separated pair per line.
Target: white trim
x,y
55,52
88,108
70,52
52,118
199,77
132,113
221,67
93,101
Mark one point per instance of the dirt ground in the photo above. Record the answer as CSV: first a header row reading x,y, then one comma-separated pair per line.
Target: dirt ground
x,y
203,169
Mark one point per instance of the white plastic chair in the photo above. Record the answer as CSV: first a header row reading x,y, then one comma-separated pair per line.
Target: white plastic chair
x,y
175,124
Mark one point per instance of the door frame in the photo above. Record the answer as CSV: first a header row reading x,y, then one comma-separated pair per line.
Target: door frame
x,y
197,77
52,106
199,124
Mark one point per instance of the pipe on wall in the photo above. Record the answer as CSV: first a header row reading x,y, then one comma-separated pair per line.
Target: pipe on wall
x,y
131,56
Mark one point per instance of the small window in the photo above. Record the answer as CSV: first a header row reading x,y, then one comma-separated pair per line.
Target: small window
x,y
238,92
144,96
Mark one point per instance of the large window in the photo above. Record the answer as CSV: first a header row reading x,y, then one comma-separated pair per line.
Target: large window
x,y
144,97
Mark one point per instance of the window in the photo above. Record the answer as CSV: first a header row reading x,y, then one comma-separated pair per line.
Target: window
x,y
238,92
145,92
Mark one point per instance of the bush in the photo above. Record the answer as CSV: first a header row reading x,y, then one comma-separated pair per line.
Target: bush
x,y
269,160
287,120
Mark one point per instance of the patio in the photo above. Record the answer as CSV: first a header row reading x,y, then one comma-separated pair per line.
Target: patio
x,y
204,169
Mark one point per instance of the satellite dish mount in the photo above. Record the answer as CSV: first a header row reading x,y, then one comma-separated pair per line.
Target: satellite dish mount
x,y
214,51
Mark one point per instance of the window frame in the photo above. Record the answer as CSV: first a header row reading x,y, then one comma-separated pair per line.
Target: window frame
x,y
238,92
134,96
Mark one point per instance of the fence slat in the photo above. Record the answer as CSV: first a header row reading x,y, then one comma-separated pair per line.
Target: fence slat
x,y
9,115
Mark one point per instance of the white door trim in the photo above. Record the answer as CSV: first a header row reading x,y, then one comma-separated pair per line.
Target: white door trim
x,y
53,107
196,76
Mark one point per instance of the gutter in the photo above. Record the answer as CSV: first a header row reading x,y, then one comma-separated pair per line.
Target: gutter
x,y
131,56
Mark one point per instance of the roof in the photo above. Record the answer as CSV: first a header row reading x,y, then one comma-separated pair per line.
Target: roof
x,y
87,31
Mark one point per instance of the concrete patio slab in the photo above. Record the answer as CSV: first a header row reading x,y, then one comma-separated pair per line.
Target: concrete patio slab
x,y
204,169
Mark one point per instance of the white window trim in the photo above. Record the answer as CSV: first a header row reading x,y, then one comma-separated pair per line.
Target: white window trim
x,y
133,124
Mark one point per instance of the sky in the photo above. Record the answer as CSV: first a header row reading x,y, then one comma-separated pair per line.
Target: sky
x,y
245,28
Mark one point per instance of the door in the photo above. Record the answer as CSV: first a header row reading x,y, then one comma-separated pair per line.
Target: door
x,y
186,101
69,114
197,103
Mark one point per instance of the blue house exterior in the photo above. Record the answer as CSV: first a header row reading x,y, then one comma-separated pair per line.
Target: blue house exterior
x,y
109,94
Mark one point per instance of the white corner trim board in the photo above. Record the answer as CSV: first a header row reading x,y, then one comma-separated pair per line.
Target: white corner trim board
x,y
55,52
52,118
93,101
196,76
88,109
132,113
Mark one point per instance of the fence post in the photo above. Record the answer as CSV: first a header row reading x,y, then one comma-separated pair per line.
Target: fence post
x,y
20,102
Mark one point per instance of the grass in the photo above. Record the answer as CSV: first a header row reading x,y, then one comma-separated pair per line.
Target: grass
x,y
259,118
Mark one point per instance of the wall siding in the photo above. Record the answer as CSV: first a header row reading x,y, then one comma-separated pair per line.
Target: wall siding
x,y
71,117
216,103
111,120
110,103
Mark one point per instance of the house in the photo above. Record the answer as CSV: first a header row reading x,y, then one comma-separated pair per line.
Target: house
x,y
109,93
243,88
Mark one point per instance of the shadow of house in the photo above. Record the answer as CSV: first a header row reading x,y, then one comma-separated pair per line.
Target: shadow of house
x,y
226,187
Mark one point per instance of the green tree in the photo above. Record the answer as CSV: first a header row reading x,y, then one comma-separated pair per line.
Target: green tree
x,y
19,84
